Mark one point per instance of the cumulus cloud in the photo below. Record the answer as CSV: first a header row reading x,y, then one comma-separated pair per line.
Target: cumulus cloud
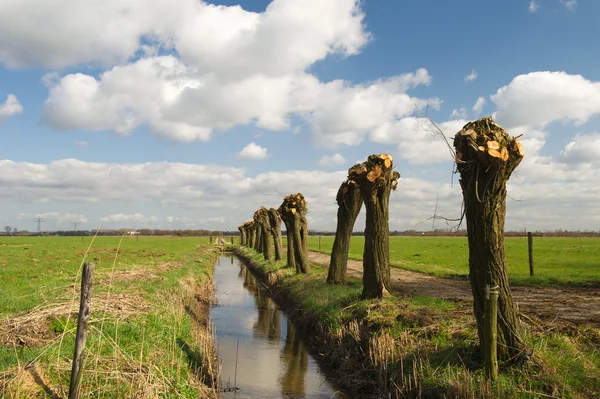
x,y
534,5
471,77
583,148
11,107
252,151
58,217
539,98
288,36
569,4
201,194
129,218
419,142
329,161
460,113
478,106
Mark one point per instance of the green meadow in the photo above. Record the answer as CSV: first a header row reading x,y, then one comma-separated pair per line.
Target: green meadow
x,y
557,260
148,330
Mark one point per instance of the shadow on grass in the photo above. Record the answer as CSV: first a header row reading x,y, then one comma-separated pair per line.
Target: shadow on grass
x,y
197,363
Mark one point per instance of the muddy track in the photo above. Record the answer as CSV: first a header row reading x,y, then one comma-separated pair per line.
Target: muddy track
x,y
548,304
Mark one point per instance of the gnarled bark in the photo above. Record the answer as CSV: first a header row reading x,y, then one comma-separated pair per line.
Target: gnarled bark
x,y
376,179
293,213
242,235
275,224
486,156
261,217
349,203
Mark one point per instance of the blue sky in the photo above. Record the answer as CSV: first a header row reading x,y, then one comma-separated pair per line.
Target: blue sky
x,y
127,114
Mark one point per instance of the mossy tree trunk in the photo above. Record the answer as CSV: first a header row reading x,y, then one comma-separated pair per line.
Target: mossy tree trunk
x,y
275,223
242,235
486,156
349,203
252,232
376,179
293,212
261,217
291,258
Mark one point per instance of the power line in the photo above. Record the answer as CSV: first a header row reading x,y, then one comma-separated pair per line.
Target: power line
x,y
39,221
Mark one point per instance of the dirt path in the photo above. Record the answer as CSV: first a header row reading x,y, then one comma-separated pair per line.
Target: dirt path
x,y
575,305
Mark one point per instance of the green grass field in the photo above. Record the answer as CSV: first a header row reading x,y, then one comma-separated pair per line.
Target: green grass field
x,y
568,261
146,329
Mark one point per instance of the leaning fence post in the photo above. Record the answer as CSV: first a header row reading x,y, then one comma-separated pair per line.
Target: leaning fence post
x,y
82,322
530,247
490,355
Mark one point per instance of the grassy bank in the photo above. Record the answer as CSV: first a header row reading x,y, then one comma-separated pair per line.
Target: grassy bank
x,y
148,335
424,347
558,260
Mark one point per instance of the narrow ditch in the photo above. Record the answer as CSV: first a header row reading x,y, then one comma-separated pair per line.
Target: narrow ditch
x,y
271,354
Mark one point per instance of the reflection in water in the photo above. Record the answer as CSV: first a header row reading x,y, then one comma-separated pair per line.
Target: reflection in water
x,y
273,361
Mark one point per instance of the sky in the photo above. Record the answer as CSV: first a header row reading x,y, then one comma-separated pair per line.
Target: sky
x,y
188,114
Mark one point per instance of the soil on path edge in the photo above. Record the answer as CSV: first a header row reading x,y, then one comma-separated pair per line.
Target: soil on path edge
x,y
549,304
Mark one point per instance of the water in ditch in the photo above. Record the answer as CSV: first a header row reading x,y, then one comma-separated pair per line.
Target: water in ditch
x,y
272,356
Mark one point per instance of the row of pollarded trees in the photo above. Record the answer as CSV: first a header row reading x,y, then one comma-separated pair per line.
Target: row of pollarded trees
x,y
265,227
485,156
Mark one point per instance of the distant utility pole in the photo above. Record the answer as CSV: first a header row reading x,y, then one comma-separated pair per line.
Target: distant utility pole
x,y
437,197
75,224
39,221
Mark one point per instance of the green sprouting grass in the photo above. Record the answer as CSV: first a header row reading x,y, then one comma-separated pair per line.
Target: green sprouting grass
x,y
142,335
436,340
557,260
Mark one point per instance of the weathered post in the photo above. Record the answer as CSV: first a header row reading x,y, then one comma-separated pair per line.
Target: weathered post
x,y
211,239
530,247
490,355
82,322
232,240
319,243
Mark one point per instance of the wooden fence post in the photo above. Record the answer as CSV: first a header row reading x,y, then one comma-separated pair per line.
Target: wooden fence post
x,y
530,247
211,239
82,322
490,332
232,240
319,242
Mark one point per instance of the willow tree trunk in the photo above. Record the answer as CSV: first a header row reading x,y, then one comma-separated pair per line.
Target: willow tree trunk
x,y
291,258
300,253
259,237
376,179
486,156
275,223
293,212
252,231
262,218
349,203
242,236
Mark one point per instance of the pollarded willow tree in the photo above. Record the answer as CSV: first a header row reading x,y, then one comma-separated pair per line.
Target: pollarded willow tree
x,y
250,228
242,235
275,224
376,179
293,213
261,218
486,156
349,203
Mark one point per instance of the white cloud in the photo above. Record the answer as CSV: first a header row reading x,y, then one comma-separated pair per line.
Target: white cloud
x,y
129,218
471,77
534,5
419,142
288,36
569,4
459,113
328,161
539,98
582,149
199,194
57,217
10,107
253,151
478,106
82,143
